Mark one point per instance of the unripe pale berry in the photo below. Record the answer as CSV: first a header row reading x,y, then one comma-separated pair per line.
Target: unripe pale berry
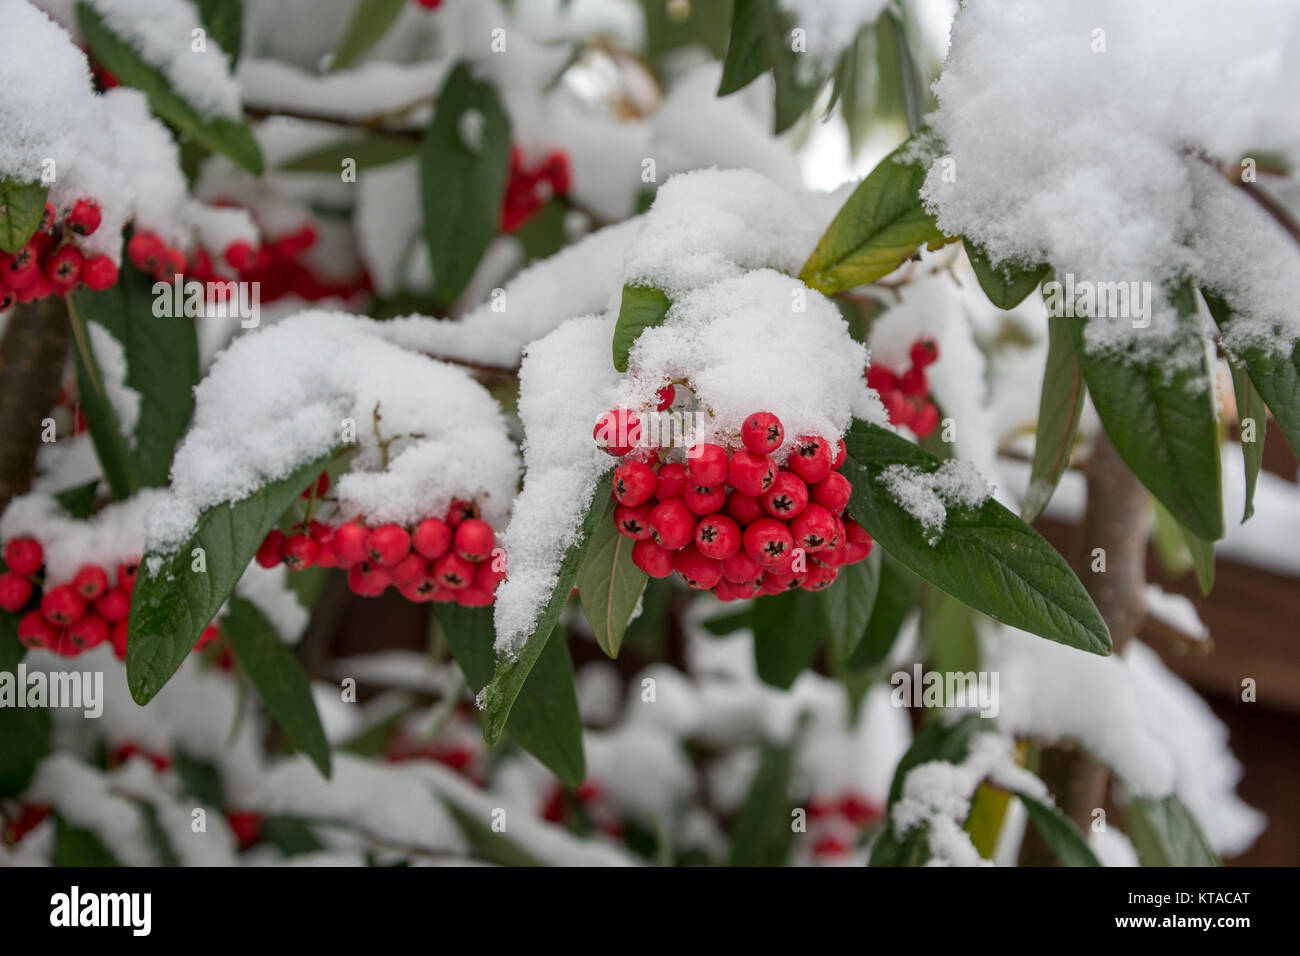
x,y
697,571
762,433
24,555
634,522
652,559
787,496
634,483
474,539
810,459
432,538
706,465
749,473
672,524
718,537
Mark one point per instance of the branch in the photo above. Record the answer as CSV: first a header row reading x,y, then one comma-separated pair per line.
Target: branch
x,y
32,356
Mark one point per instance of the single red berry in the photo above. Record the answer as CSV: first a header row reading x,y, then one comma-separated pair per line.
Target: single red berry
x,y
832,492
240,256
813,528
841,453
118,637
859,542
665,397
146,251
173,263
746,509
91,581
247,827
634,521
38,287
831,846
671,482
924,352
672,524
459,511
634,483
85,217
369,580
717,536
740,568
912,382
429,4
787,496
706,464
453,572
35,631
749,473
320,486
897,407
617,432
474,539
350,542
271,549
810,459
62,605
114,606
388,544
926,420
90,631
705,501
299,552
22,268
881,379
47,219
210,634
24,555
819,577
432,538
15,591
125,575
778,582
652,559
768,541
409,570
99,273
419,589
697,571
473,596
63,267
762,433
556,169
488,577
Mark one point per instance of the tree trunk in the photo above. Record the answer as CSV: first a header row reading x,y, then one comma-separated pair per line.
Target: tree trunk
x,y
33,352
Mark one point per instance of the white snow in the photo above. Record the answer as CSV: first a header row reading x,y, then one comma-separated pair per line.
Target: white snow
x,y
110,357
927,496
1176,611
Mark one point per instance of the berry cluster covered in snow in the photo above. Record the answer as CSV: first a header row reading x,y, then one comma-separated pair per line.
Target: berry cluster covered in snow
x,y
52,262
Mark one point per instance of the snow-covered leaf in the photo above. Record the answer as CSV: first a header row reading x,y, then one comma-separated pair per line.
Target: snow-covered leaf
x,y
985,555
369,22
609,583
21,208
367,150
848,604
171,606
1059,407
1006,285
641,308
1058,832
1165,833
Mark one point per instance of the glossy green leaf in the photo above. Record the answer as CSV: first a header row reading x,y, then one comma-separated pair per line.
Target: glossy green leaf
x,y
1165,833
21,208
1252,415
641,308
24,731
367,150
1006,285
369,22
848,603
762,832
746,57
224,20
79,501
111,448
609,583
1059,406
78,846
896,597
1058,832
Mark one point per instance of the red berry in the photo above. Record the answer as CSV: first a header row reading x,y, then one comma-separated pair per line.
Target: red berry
x,y
474,539
740,568
320,486
210,634
409,570
453,572
350,542
90,631
369,580
705,501
487,577
146,251
556,169
114,606
634,483
126,574
418,589
99,273
749,473
671,482
432,538
787,496
388,544
912,382
841,453
819,577
672,524
62,605
472,596
118,637
47,219
696,570
717,536
746,509
63,268
85,217
22,268
299,552
652,559
926,420
768,542
35,631
924,352
15,591
832,492
897,408
881,379
813,528
618,431
459,511
810,459
91,581
726,592
762,433
634,522
665,398
240,256
706,464
271,550
24,555
173,263
859,542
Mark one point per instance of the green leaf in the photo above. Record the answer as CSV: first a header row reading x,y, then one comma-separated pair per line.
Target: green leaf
x,y
21,208
1058,832
911,850
1165,833
985,557
278,678
216,133
641,308
848,603
461,183
1274,374
290,835
510,675
25,731
896,596
795,91
784,641
545,719
936,741
489,844
1252,413
79,501
1202,553
199,778
170,608
609,583
162,843
1059,407
878,228
909,74
105,432
224,20
367,150
948,633
1006,285
1163,425
370,21
988,811
77,846
762,832
746,55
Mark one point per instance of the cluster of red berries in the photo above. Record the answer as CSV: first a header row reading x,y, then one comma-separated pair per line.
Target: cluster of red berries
x,y
584,805
454,558
279,268
51,262
837,823
906,396
429,4
735,522
74,616
528,188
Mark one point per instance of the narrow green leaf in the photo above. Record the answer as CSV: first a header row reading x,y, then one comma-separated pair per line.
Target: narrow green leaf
x,y
224,20
77,846
510,675
1163,425
896,597
1058,832
948,633
370,21
909,74
1165,833
21,208
216,133
848,603
988,811
290,835
105,431
911,850
641,308
746,55
1202,553
1006,285
25,731
609,583
784,644
762,833
986,556
278,678
878,228
1252,416
490,844
1059,407
795,90
464,162
469,634
199,778
162,843
171,607
367,150
79,501
936,741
